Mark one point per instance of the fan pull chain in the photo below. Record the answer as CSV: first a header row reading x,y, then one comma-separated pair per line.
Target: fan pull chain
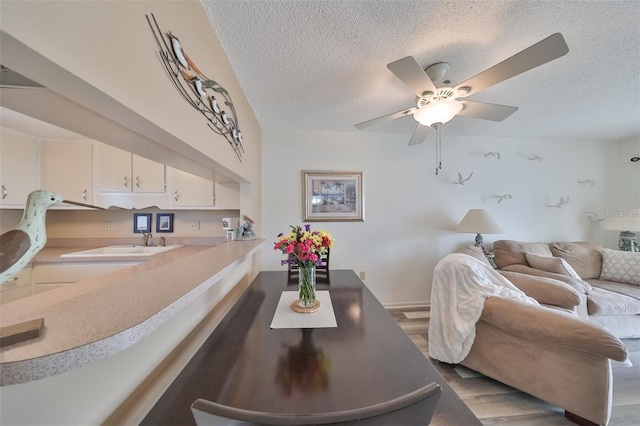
x,y
436,157
438,149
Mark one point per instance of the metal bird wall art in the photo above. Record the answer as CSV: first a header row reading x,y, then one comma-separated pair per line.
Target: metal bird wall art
x,y
194,87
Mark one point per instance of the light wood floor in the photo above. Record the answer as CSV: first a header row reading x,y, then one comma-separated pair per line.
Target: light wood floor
x,y
497,404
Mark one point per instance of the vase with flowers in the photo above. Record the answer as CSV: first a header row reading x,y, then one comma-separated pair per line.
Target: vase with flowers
x,y
304,248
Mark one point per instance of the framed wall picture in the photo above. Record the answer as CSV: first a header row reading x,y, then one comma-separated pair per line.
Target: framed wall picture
x,y
164,222
141,222
332,196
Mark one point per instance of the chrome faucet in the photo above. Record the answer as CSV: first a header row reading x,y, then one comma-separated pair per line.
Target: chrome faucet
x,y
145,238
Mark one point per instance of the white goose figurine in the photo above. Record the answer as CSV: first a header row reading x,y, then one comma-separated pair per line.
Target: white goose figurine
x,y
20,245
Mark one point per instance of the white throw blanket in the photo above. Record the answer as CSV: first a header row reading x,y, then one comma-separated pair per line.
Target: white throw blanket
x,y
461,283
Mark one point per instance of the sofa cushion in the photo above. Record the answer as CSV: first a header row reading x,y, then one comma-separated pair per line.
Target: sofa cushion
x,y
510,252
584,257
581,286
545,290
605,302
551,264
476,252
630,290
620,266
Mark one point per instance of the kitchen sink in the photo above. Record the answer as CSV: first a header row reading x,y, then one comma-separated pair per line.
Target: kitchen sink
x,y
121,250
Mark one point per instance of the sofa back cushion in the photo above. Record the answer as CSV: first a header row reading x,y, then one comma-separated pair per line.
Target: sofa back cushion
x,y
620,266
545,290
551,264
510,252
584,257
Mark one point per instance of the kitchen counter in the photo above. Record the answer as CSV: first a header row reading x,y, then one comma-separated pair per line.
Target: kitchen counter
x,y
98,317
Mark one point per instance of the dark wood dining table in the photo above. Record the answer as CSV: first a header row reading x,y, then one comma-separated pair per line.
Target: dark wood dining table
x,y
366,359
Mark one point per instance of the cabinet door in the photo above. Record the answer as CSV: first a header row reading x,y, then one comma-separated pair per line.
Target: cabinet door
x,y
112,169
19,168
67,169
148,176
227,196
188,190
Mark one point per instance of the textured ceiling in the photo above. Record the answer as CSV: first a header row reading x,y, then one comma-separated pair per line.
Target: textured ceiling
x,y
321,65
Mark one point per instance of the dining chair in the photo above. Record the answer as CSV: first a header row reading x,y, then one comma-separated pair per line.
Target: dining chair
x,y
415,408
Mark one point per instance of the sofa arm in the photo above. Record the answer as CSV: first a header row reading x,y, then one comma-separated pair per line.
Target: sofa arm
x,y
545,290
553,327
581,286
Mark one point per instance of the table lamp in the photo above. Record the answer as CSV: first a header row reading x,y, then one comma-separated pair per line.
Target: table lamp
x,y
478,221
627,225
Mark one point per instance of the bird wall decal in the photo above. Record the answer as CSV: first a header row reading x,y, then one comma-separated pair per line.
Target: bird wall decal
x,y
492,154
594,217
563,201
590,182
534,157
462,180
503,197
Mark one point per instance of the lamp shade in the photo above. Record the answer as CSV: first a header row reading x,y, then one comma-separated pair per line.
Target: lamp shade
x,y
630,222
437,112
478,221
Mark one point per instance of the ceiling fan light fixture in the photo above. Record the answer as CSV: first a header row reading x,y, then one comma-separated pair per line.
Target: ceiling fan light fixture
x,y
438,112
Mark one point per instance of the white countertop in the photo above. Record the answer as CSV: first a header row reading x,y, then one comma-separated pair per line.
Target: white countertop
x,y
97,317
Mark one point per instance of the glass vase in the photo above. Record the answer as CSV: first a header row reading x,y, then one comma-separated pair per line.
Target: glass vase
x,y
307,286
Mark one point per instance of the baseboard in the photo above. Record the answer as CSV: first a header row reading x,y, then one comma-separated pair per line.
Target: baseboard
x,y
400,305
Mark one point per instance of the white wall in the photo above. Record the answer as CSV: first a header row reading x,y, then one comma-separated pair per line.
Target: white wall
x,y
410,212
623,195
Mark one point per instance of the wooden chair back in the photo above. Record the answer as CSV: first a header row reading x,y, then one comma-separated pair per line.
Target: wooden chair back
x,y
415,408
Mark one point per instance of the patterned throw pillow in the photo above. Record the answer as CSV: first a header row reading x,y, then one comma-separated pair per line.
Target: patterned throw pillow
x,y
620,266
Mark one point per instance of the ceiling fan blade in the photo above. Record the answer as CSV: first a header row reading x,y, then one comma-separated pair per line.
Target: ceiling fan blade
x,y
540,53
493,112
413,75
388,117
419,135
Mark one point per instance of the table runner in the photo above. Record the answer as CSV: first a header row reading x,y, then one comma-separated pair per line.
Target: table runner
x,y
284,317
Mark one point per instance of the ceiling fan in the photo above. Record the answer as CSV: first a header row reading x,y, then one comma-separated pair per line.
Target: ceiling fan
x,y
436,105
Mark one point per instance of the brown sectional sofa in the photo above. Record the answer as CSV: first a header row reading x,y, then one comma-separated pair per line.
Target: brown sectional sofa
x,y
610,294
553,351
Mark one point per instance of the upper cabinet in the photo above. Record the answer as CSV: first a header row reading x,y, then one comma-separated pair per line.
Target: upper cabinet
x,y
190,191
121,171
19,168
67,169
227,196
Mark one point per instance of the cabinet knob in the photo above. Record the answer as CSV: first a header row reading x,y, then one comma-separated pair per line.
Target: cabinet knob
x,y
137,181
5,192
126,182
175,195
84,195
